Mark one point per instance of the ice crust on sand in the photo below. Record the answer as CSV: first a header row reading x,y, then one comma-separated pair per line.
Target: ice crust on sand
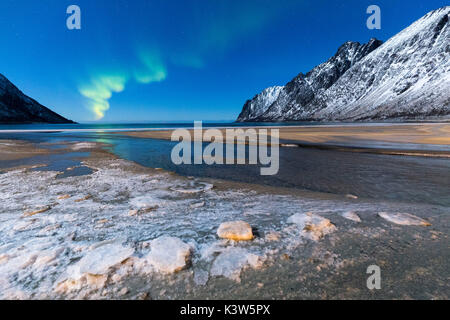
x,y
79,249
404,219
233,260
83,145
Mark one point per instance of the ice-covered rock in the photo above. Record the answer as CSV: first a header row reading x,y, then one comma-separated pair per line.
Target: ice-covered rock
x,y
314,226
235,230
351,215
169,254
232,261
405,219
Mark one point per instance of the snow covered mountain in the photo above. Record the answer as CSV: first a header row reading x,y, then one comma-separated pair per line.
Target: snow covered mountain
x,y
408,77
16,107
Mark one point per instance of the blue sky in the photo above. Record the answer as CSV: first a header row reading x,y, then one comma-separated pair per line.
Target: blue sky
x,y
167,60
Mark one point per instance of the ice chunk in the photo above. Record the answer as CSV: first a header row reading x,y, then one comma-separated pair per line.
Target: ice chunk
x,y
231,262
351,215
101,259
405,219
169,254
314,226
235,230
38,210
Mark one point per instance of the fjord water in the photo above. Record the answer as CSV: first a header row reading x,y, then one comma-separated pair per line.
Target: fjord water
x,y
376,176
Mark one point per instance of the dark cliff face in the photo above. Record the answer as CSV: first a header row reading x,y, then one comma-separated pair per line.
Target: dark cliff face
x,y
16,107
405,78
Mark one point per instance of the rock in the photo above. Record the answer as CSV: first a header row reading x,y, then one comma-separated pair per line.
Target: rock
x,y
235,230
405,219
232,261
351,215
314,226
169,254
32,213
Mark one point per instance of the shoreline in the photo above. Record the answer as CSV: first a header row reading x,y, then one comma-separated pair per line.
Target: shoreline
x,y
426,140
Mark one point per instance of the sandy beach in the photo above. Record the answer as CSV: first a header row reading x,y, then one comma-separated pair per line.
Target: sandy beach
x,y
400,139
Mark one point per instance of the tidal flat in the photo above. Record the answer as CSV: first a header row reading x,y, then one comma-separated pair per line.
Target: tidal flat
x,y
83,223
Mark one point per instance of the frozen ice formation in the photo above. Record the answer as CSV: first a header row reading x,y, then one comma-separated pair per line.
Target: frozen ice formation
x,y
193,187
235,230
169,254
351,215
75,250
314,226
16,107
93,269
405,219
233,260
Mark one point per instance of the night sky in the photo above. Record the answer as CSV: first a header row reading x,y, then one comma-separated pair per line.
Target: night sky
x,y
167,60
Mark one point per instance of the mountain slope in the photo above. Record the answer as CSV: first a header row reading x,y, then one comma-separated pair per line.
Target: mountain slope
x,y
408,77
16,107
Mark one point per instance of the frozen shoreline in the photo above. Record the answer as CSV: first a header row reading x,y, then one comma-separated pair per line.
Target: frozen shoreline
x,y
53,232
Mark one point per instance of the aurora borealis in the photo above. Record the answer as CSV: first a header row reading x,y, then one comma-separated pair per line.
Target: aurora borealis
x,y
168,60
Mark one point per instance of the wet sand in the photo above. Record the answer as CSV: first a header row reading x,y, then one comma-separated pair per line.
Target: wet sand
x,y
14,150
